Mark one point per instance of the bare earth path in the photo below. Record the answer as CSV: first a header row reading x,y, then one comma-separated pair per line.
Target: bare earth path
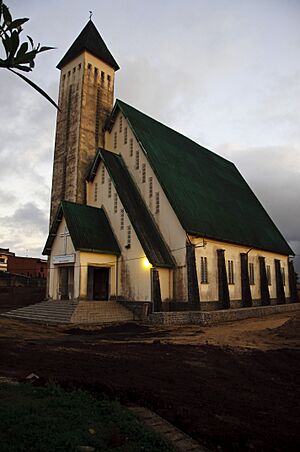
x,y
232,387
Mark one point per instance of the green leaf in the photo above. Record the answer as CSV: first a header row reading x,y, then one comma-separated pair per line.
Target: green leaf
x,y
6,14
7,45
22,50
36,87
28,57
30,40
14,43
44,49
17,23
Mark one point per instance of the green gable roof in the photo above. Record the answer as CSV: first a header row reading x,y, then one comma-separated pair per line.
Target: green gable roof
x,y
89,39
88,227
145,228
206,191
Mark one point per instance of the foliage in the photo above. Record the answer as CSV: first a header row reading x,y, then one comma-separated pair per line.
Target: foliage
x,y
47,419
20,56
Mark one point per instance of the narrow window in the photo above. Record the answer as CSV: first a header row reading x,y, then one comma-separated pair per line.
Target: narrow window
x,y
283,275
102,77
95,191
251,273
109,188
79,66
128,236
125,135
108,78
74,70
103,175
120,124
157,202
89,66
137,160
150,187
122,219
96,72
131,147
230,273
115,140
204,275
268,271
143,173
115,203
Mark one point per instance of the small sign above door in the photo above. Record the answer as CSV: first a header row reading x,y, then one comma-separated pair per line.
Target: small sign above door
x,y
64,259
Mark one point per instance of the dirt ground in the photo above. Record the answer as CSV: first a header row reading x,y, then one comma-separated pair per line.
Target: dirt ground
x,y
232,387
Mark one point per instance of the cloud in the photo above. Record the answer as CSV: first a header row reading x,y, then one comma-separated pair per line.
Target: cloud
x,y
25,229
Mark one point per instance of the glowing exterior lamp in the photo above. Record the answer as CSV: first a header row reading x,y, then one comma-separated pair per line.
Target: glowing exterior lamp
x,y
146,263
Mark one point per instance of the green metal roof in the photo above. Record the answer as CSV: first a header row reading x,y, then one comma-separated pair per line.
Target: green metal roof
x,y
89,39
88,226
146,230
206,191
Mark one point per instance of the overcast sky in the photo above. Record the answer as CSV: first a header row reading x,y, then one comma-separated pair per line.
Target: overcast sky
x,y
226,73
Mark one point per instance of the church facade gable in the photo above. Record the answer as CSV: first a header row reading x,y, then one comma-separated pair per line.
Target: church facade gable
x,y
146,180
138,253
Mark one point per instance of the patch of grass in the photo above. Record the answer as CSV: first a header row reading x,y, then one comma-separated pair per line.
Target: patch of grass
x,y
34,419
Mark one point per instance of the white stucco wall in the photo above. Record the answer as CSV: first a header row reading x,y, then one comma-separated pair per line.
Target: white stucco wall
x,y
209,292
59,249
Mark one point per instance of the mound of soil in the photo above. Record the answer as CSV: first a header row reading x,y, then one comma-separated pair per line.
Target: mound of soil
x,y
289,330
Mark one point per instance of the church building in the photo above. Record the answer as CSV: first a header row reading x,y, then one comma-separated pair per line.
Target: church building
x,y
145,217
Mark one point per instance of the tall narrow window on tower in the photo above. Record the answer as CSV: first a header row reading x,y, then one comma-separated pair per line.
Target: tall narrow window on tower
x,y
103,175
115,140
125,135
97,119
137,160
120,124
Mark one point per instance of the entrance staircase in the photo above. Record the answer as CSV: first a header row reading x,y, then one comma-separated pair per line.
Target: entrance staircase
x,y
45,312
67,311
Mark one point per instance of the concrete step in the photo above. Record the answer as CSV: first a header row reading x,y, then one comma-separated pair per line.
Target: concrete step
x,y
101,312
46,311
72,312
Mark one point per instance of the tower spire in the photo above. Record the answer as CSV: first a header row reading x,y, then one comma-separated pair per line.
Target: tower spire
x,y
86,97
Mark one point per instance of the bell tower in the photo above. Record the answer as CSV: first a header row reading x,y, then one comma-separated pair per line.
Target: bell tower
x,y
86,95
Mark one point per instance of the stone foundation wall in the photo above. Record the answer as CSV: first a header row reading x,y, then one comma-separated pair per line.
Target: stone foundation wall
x,y
214,317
